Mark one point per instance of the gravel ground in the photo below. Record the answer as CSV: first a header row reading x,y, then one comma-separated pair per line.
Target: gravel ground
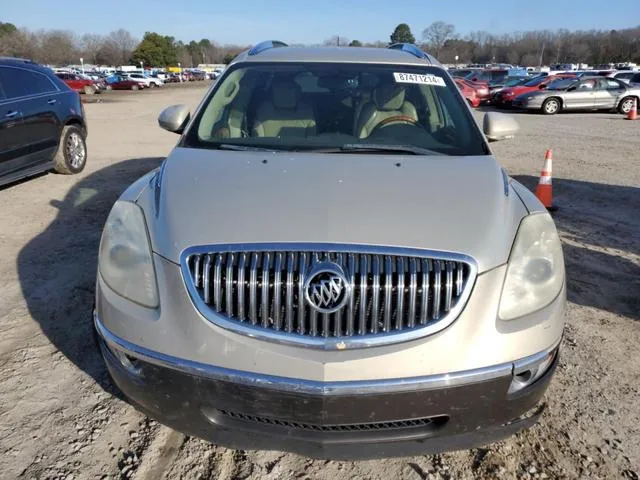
x,y
61,417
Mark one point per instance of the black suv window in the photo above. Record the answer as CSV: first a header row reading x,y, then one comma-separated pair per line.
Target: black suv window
x,y
18,82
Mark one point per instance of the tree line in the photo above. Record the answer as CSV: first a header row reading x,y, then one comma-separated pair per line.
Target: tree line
x,y
542,47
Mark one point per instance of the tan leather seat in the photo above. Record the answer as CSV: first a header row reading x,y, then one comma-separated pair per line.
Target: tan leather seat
x,y
284,115
386,101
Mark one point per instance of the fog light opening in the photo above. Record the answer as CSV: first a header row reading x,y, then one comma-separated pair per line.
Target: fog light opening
x,y
526,374
131,364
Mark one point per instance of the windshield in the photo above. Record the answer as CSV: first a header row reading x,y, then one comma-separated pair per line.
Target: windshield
x,y
332,107
534,82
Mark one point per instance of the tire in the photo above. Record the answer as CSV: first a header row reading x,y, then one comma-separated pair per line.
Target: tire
x,y
88,90
135,87
71,156
626,104
551,106
152,85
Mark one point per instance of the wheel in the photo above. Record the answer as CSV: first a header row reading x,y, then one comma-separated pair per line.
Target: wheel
x,y
626,104
152,85
551,106
71,156
88,90
134,87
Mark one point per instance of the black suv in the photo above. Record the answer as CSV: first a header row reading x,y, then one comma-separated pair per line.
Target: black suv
x,y
42,122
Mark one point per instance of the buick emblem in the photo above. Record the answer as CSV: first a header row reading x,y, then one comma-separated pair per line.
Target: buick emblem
x,y
326,288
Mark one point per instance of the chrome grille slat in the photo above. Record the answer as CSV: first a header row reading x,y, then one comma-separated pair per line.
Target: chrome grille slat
x,y
424,299
289,298
277,293
351,272
197,270
241,285
205,280
362,323
390,293
413,290
400,293
301,300
217,280
264,306
375,295
229,285
437,283
253,289
388,290
448,287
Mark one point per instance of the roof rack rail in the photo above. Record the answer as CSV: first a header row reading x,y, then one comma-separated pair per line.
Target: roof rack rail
x,y
262,46
412,49
17,59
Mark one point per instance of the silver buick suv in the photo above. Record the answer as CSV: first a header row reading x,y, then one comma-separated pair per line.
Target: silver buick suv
x,y
332,262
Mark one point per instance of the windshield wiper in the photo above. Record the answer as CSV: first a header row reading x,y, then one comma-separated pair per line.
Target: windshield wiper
x,y
372,147
242,148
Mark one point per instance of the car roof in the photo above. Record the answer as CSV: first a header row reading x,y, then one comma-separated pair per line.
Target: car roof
x,y
25,63
336,55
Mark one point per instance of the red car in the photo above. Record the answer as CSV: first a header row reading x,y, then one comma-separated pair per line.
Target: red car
x,y
79,84
116,82
482,89
506,96
468,92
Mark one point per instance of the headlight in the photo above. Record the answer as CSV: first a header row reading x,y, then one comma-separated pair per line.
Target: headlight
x,y
125,261
535,273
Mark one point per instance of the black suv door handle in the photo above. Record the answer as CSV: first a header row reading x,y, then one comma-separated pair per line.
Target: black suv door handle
x,y
52,101
12,114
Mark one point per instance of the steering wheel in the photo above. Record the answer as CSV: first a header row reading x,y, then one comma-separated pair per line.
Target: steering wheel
x,y
393,120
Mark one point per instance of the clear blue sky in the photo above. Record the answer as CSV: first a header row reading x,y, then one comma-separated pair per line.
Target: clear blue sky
x,y
300,21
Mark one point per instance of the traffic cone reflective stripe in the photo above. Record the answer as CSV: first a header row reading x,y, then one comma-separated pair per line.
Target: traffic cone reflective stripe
x,y
544,190
633,113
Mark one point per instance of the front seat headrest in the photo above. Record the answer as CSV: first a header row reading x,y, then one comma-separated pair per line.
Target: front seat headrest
x,y
388,97
285,95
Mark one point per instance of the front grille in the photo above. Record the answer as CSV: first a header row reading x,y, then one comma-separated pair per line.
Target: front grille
x,y
264,289
354,427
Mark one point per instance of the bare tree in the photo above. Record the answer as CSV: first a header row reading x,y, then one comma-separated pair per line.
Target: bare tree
x,y
58,47
119,46
437,34
91,46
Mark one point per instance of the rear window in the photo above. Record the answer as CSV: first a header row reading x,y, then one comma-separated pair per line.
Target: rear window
x,y
314,106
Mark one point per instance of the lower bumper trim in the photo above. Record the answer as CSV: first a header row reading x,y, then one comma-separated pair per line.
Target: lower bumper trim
x,y
373,424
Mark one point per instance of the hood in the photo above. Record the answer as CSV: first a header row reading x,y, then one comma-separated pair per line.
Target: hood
x,y
451,204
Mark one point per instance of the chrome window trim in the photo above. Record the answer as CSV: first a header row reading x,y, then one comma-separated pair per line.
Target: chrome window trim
x,y
339,343
355,387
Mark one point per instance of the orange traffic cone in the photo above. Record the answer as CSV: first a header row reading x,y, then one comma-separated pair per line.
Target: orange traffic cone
x,y
544,190
633,113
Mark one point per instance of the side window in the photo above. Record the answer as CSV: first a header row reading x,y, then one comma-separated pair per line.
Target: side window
x,y
18,82
610,84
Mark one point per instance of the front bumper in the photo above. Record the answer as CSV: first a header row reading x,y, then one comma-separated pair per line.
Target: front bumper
x,y
337,420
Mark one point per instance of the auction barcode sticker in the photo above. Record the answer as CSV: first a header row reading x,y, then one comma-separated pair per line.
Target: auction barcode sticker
x,y
427,79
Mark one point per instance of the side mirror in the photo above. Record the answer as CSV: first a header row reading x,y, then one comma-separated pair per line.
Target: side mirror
x,y
542,87
174,118
499,126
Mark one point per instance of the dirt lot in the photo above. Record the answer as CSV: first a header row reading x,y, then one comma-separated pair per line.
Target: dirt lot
x,y
60,417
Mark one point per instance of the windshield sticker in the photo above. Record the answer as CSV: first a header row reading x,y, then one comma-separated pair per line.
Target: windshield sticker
x,y
419,79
